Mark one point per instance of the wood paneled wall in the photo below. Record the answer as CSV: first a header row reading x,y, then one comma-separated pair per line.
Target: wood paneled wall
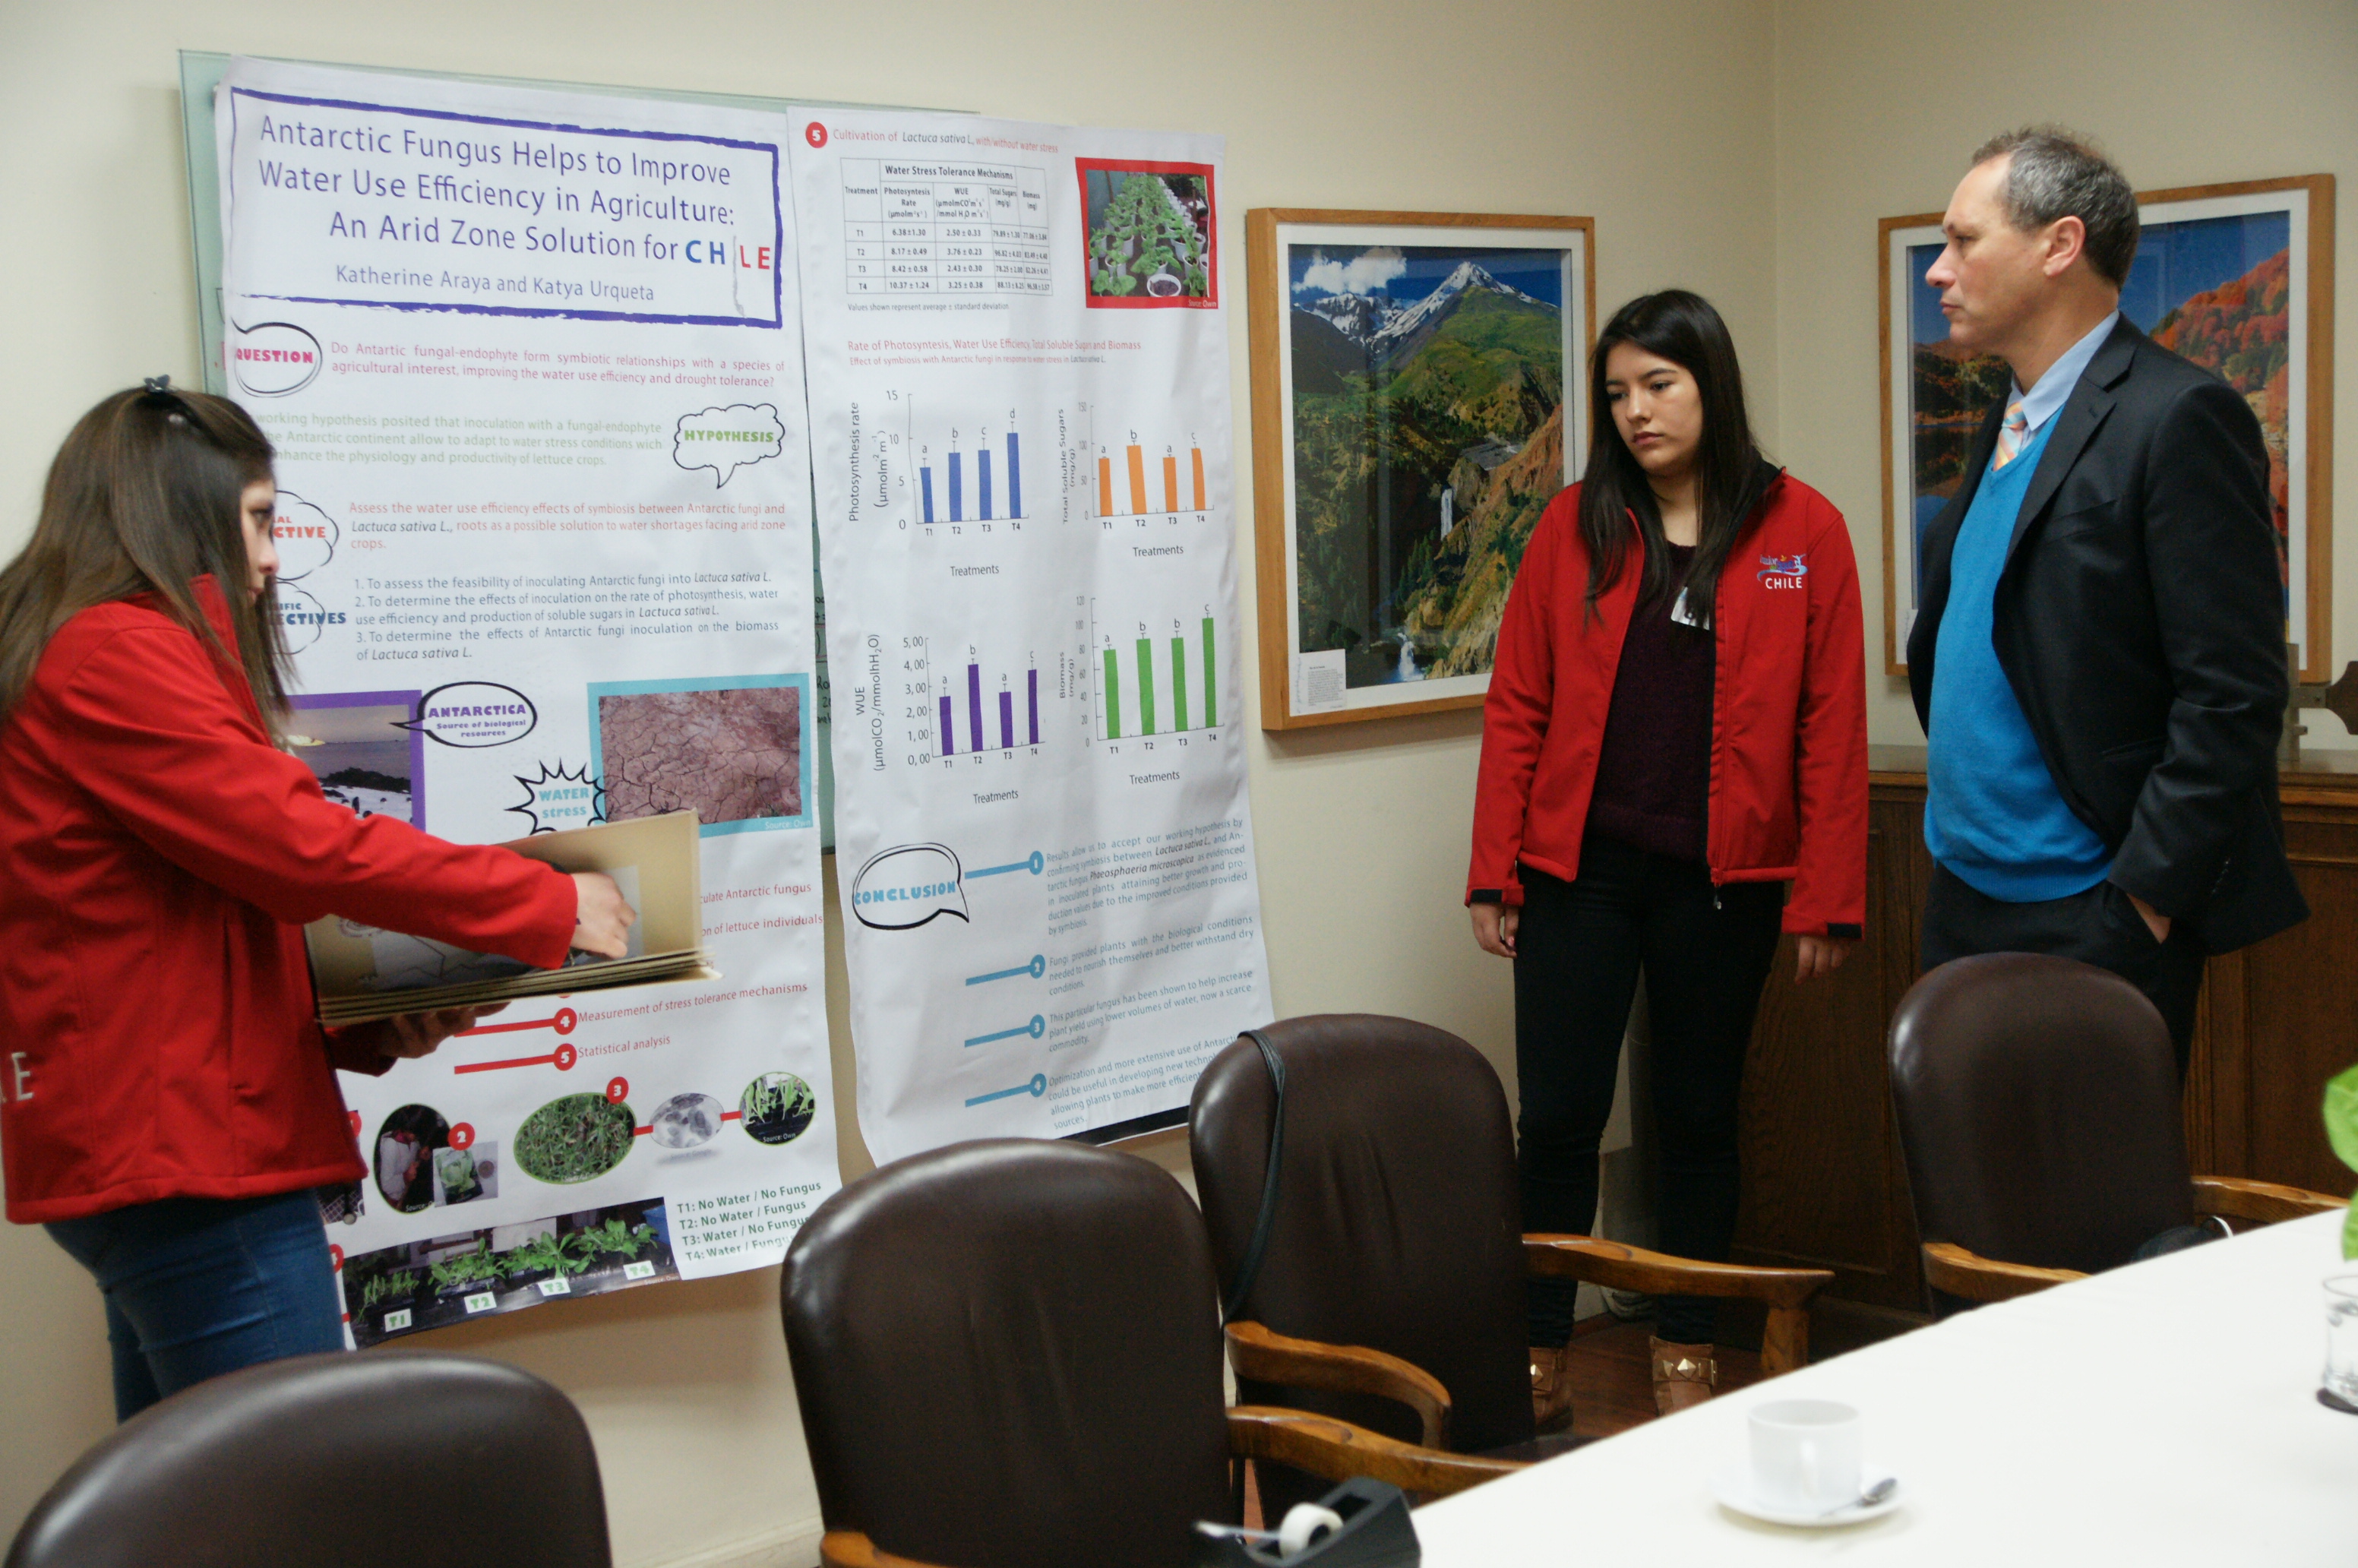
x,y
1824,1184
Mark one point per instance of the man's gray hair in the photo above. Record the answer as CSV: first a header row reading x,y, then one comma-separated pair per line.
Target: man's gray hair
x,y
2055,173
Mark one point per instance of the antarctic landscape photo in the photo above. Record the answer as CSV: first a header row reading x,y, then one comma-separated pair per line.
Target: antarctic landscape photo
x,y
1428,436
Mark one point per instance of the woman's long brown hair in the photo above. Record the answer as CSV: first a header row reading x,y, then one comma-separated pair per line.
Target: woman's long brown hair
x,y
145,497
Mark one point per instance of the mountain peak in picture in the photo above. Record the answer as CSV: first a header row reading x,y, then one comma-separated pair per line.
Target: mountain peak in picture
x,y
1406,330
1358,317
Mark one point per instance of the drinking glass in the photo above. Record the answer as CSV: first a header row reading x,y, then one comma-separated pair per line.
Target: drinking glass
x,y
2342,1338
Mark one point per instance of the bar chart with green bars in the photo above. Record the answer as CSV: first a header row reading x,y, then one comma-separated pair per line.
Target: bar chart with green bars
x,y
1157,682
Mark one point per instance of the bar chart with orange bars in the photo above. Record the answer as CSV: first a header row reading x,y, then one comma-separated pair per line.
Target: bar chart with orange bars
x,y
1177,487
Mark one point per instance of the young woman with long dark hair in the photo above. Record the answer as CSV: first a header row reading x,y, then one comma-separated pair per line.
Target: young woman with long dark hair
x,y
168,1105
1676,730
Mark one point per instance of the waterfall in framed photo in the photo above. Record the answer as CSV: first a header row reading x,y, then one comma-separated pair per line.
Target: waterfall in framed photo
x,y
1419,396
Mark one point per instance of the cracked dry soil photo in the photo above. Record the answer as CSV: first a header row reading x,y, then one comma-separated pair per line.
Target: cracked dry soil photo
x,y
729,756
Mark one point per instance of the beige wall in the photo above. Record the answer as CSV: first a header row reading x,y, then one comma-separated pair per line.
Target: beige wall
x,y
1485,106
1878,106
1749,160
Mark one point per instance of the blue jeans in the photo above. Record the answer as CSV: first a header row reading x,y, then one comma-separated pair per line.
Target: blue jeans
x,y
195,1287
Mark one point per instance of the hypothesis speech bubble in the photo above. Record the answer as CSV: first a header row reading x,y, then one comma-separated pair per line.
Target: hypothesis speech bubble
x,y
472,714
726,440
902,889
306,537
561,797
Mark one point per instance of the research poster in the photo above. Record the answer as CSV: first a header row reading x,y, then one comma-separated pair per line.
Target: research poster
x,y
533,364
1017,346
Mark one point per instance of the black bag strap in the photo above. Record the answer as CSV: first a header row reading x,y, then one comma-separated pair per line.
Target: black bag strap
x,y
1260,1242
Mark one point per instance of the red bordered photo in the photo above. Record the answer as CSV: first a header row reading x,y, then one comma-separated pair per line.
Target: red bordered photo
x,y
1151,236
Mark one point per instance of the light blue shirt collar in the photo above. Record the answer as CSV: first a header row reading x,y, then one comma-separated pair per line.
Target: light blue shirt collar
x,y
2042,402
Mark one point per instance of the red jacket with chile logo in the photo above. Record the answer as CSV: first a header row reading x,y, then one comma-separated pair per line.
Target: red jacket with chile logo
x,y
158,859
1788,798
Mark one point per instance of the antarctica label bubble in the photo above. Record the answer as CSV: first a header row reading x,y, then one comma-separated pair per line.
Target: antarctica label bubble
x,y
474,713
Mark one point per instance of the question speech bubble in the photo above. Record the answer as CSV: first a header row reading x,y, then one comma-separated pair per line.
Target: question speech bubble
x,y
306,537
472,714
726,440
903,887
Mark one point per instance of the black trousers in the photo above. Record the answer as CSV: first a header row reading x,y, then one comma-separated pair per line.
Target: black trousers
x,y
2100,927
1578,951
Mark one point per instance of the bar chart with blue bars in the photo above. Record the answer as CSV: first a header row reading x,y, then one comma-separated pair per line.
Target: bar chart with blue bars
x,y
982,483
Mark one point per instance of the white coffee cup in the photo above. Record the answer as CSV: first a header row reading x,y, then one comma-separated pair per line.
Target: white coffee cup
x,y
1805,1453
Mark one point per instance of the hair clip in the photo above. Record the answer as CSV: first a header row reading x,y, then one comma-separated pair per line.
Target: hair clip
x,y
159,386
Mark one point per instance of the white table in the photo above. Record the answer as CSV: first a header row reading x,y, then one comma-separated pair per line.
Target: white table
x,y
2163,1413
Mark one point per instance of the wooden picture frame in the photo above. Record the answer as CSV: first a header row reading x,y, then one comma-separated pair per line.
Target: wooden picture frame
x,y
1393,333
2182,261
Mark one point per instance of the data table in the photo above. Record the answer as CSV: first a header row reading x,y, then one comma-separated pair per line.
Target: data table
x,y
943,227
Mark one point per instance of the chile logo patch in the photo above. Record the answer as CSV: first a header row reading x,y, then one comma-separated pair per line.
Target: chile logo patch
x,y
1783,571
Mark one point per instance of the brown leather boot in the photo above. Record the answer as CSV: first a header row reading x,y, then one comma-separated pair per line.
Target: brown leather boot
x,y
1684,1375
1551,1389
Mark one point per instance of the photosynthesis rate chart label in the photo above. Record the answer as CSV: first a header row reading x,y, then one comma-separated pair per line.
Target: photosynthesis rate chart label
x,y
533,364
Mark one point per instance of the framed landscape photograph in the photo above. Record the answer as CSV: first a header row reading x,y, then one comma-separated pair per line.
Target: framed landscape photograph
x,y
2238,278
1419,393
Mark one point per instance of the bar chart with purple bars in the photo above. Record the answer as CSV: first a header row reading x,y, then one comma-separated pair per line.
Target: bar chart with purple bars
x,y
995,712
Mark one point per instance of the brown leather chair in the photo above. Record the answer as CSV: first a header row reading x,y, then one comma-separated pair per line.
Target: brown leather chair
x,y
2038,1107
1390,1291
1008,1356
330,1461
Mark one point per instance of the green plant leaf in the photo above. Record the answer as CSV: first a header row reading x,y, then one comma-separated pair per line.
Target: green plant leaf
x,y
2342,1116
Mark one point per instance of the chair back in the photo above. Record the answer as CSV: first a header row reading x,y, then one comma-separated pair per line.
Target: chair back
x,y
329,1461
1008,1354
2038,1109
1398,1221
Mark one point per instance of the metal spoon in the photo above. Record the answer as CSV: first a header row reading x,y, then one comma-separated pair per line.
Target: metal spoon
x,y
1867,1499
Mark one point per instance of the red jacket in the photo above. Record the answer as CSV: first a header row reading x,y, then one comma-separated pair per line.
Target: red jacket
x,y
158,858
1788,711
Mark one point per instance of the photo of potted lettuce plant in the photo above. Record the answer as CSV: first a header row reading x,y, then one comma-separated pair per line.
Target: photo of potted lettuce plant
x,y
389,1292
465,1273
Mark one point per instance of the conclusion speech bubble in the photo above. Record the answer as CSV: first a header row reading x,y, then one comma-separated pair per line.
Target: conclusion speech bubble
x,y
472,714
726,440
903,887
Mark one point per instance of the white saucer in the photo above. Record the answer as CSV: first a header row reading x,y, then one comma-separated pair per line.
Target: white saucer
x,y
1732,1485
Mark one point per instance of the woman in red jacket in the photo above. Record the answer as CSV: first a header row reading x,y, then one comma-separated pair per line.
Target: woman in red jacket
x,y
167,1103
1676,728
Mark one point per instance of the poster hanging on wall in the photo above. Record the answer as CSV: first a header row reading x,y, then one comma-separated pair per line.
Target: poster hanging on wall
x,y
532,363
1017,340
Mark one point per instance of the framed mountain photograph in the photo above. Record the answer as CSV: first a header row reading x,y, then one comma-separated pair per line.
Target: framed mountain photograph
x,y
2238,278
1418,396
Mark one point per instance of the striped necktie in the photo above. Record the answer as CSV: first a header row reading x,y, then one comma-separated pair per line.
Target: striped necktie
x,y
2010,437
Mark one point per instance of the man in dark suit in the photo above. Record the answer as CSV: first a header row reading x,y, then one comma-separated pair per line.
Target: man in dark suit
x,y
2098,657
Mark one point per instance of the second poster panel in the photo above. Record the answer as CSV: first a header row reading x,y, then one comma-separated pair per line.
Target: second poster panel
x,y
1019,401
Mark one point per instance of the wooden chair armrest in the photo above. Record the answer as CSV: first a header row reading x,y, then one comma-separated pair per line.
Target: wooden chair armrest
x,y
1264,1356
1337,1451
2262,1202
1949,1267
849,1549
1616,1265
